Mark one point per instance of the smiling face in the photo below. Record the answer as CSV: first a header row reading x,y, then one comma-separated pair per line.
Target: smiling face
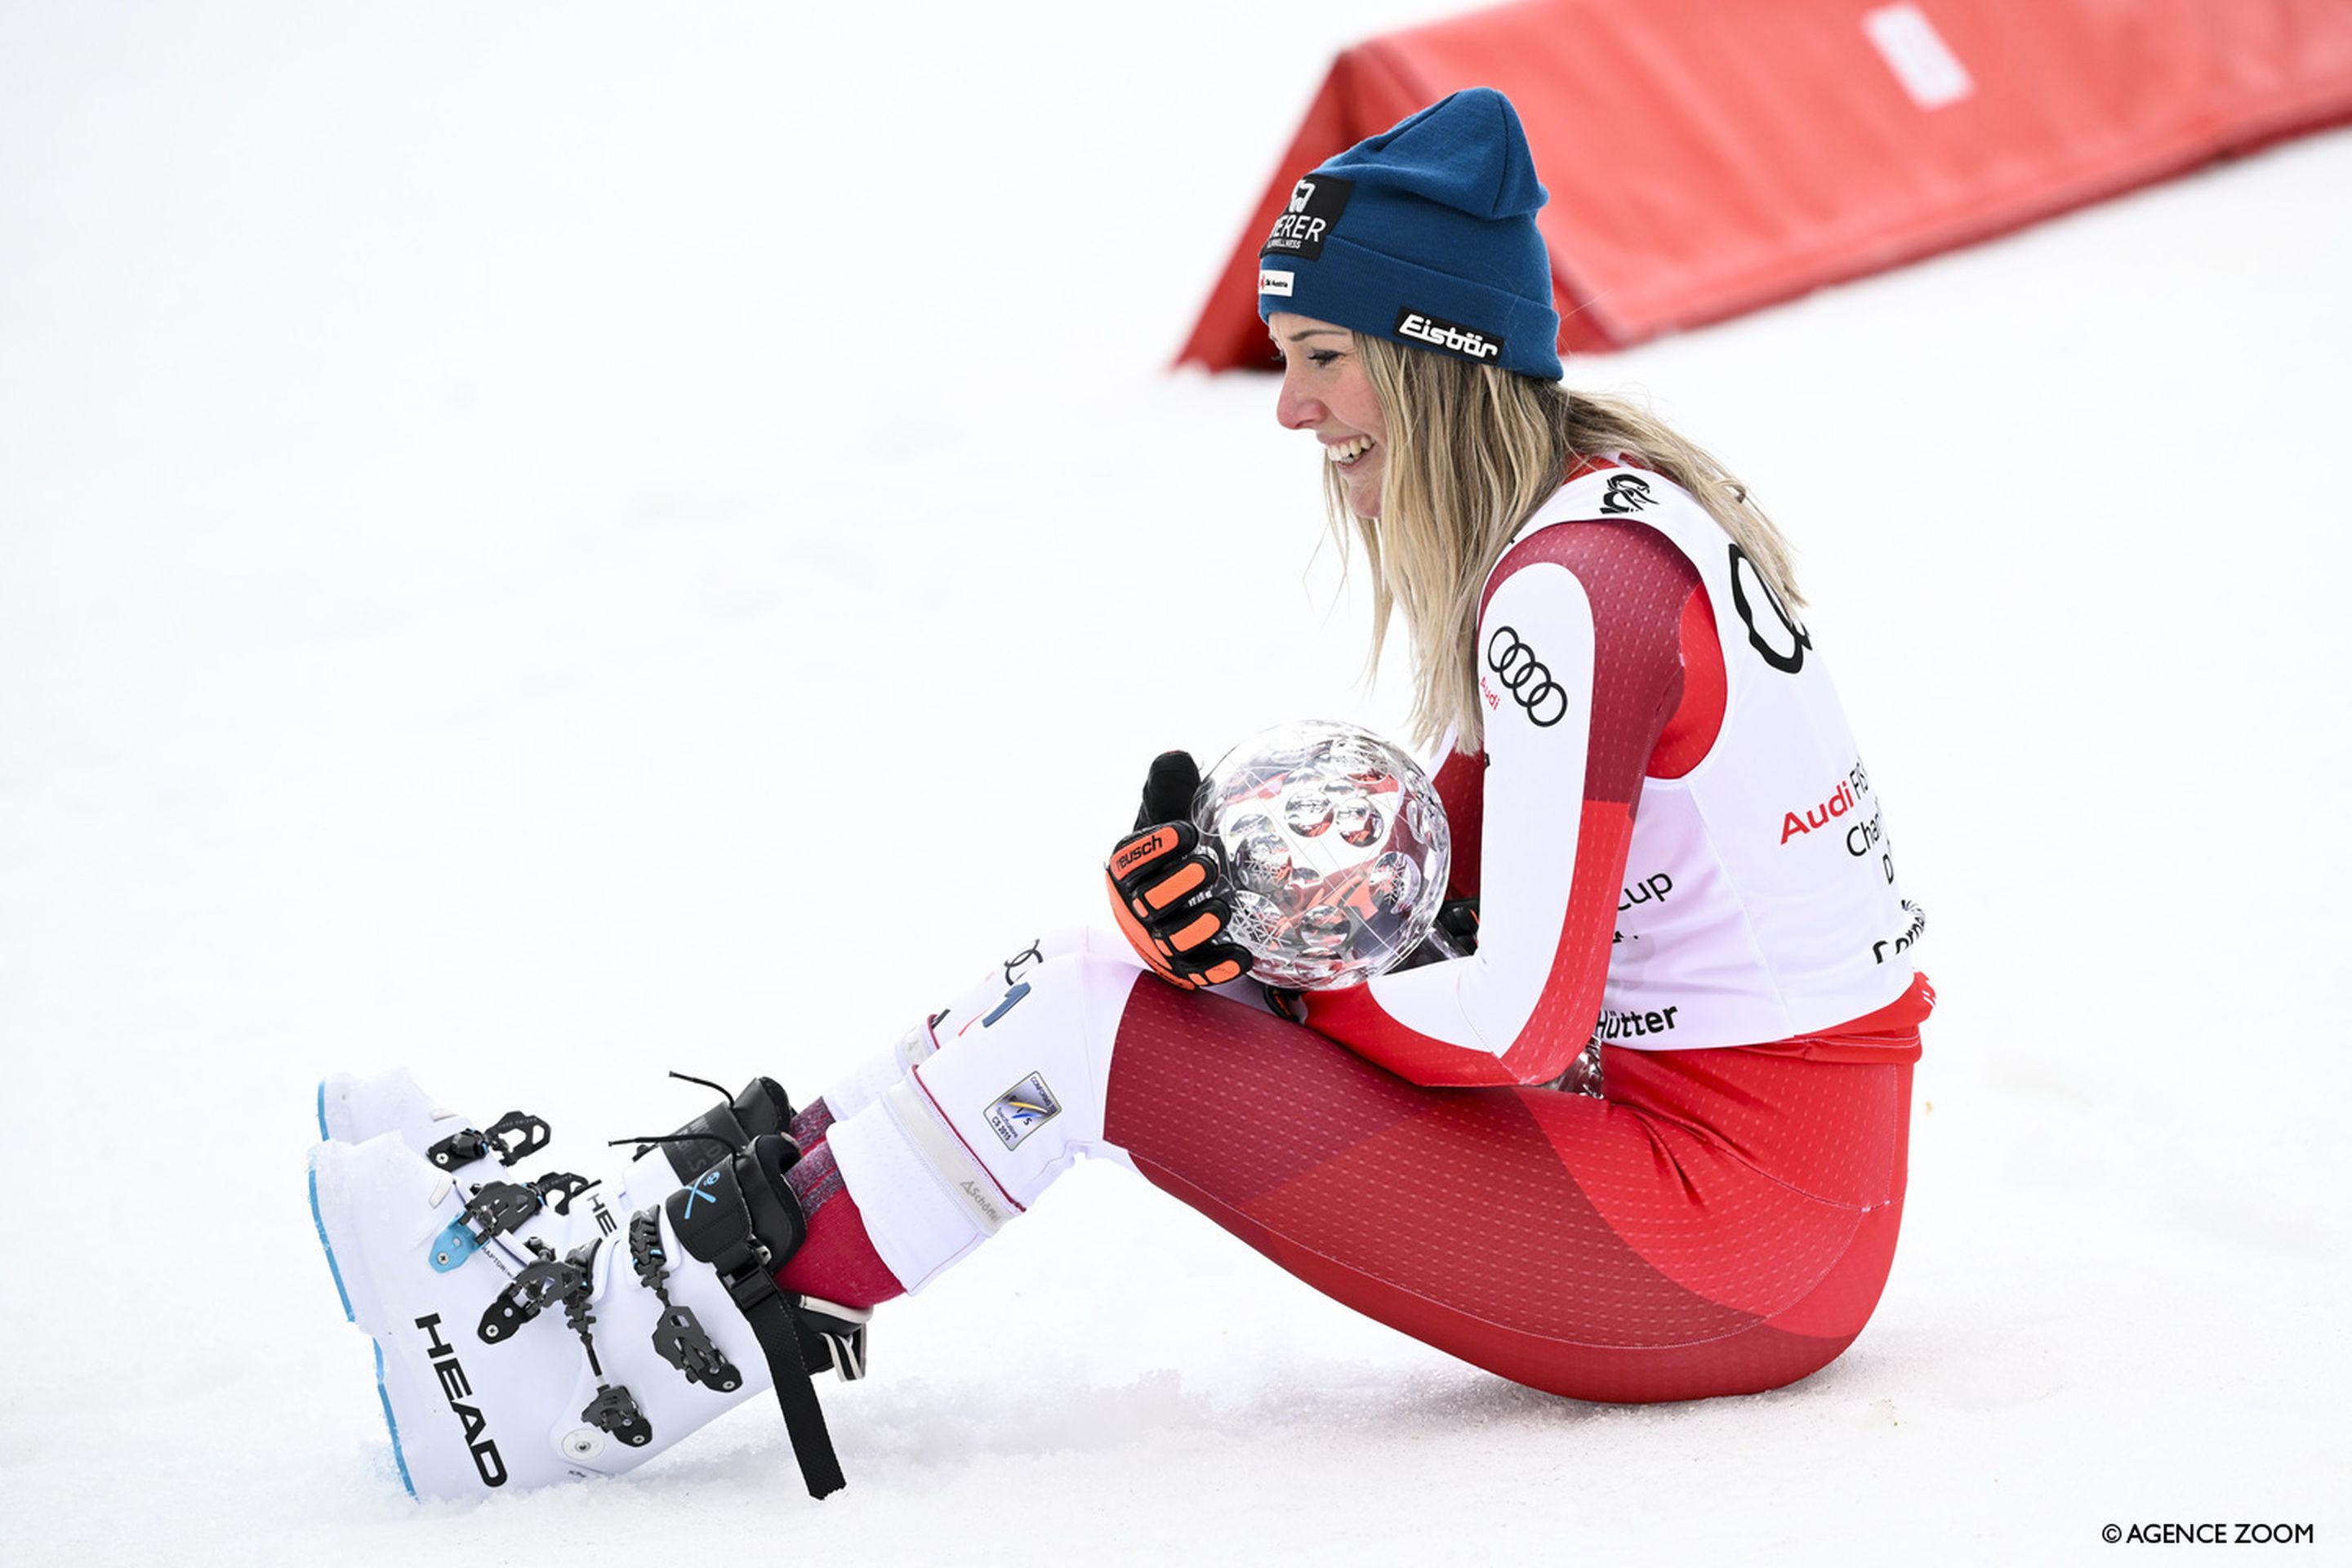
x,y
1326,390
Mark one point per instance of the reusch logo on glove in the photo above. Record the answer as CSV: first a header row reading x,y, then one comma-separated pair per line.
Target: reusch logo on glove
x,y
1451,336
1315,206
1130,855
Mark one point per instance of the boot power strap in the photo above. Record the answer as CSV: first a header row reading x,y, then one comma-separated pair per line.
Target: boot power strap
x,y
740,1217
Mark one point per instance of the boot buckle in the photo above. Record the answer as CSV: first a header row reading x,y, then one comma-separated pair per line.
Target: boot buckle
x,y
510,1138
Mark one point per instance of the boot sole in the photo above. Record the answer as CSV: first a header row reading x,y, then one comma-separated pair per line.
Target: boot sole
x,y
327,1246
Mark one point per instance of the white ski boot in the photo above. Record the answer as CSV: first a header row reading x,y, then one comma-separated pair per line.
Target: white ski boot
x,y
518,1346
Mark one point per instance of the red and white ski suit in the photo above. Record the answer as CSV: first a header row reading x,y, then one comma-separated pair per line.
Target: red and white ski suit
x,y
1680,860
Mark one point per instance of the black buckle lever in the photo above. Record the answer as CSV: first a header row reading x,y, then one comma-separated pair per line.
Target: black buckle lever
x,y
512,1138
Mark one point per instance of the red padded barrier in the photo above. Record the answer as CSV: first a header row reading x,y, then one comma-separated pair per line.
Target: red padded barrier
x,y
1707,157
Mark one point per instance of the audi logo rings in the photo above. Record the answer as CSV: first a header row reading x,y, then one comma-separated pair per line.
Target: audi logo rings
x,y
1526,678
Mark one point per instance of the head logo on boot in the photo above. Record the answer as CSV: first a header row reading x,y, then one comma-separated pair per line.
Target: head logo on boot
x,y
454,1385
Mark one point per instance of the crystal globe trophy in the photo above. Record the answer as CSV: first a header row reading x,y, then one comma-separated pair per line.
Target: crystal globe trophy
x,y
1336,848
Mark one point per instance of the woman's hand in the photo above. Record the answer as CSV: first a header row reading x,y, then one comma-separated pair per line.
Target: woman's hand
x,y
1168,889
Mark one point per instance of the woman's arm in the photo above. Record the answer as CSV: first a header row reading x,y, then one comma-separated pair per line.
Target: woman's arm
x,y
1583,646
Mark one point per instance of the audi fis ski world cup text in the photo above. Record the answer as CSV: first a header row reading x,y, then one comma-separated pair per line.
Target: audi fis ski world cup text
x,y
1653,886
1650,889
1864,838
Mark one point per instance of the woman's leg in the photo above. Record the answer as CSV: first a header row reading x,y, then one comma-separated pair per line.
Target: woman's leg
x,y
1722,1223
1003,1091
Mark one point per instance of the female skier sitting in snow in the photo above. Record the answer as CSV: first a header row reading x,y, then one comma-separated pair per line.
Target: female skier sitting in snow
x,y
1645,1142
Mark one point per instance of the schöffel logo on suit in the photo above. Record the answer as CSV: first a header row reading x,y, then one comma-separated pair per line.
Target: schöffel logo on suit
x,y
1315,206
1451,336
1526,678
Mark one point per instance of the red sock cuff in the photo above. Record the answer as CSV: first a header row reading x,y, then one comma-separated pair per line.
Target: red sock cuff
x,y
837,1262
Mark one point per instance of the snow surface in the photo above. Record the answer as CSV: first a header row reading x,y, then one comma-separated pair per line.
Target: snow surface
x,y
531,534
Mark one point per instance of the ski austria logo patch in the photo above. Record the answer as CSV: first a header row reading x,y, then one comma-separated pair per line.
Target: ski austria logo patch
x,y
1315,204
1022,1109
1275,283
1451,337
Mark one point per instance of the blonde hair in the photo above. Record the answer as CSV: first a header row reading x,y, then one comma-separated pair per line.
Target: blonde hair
x,y
1471,451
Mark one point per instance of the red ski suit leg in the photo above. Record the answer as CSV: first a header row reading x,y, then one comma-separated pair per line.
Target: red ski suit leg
x,y
1722,1222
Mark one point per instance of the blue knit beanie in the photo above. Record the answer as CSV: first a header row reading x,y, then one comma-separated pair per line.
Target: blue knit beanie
x,y
1426,234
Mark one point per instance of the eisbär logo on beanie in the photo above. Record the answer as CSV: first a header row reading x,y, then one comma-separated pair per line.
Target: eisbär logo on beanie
x,y
1315,204
1448,337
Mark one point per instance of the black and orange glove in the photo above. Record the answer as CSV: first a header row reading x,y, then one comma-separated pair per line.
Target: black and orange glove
x,y
1167,888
